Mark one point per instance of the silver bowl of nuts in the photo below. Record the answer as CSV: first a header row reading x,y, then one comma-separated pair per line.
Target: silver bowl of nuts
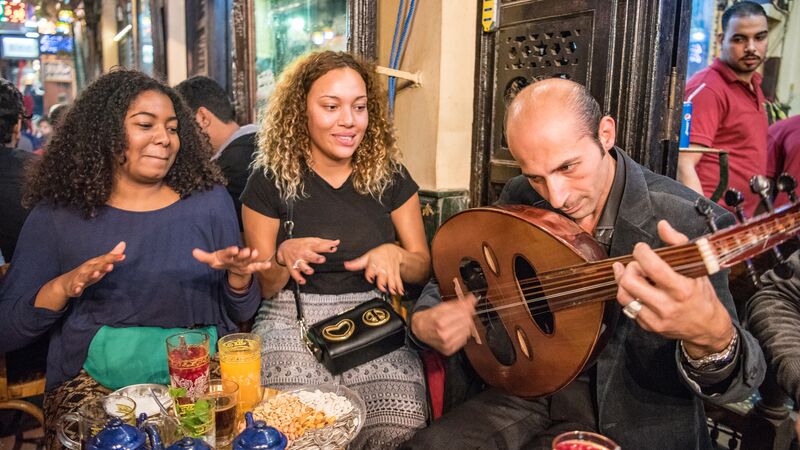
x,y
326,416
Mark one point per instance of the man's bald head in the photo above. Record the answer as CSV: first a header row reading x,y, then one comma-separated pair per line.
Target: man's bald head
x,y
560,98
559,139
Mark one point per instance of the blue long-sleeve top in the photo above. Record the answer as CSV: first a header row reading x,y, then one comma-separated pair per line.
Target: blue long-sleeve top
x,y
159,284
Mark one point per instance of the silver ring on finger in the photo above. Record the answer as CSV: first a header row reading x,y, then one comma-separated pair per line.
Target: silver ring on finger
x,y
632,309
297,263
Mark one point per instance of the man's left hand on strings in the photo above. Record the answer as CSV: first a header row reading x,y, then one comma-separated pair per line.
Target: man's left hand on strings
x,y
672,305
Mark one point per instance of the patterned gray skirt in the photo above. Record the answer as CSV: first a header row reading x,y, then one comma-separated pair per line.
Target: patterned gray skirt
x,y
392,386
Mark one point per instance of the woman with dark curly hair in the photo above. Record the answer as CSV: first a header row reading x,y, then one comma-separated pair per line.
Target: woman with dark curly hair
x,y
126,171
327,147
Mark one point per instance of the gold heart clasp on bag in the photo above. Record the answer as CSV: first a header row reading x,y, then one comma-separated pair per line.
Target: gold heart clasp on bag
x,y
375,317
339,332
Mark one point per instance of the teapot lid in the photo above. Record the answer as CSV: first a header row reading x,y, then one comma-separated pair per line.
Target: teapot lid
x,y
188,443
117,435
259,436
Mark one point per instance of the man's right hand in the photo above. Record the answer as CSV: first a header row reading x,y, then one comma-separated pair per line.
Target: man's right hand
x,y
447,326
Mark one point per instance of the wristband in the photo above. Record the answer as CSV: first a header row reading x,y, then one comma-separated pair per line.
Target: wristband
x,y
713,360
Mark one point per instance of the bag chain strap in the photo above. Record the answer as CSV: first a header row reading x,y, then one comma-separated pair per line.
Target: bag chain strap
x,y
288,226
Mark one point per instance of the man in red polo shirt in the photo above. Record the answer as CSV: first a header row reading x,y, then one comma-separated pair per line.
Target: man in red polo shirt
x,y
728,111
784,152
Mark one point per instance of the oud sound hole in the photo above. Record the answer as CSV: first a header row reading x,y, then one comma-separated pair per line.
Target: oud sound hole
x,y
497,337
533,295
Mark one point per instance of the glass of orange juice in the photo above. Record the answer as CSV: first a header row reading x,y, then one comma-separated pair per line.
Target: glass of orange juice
x,y
240,362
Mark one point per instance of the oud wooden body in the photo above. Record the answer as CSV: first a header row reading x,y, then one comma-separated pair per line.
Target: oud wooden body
x,y
493,237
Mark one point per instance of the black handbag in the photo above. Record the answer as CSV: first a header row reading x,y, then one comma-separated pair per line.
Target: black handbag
x,y
353,337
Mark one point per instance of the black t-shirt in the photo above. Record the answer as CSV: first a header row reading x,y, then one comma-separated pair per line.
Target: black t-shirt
x,y
360,221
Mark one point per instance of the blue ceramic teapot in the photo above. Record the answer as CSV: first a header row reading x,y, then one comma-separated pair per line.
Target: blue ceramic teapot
x,y
187,443
258,436
118,435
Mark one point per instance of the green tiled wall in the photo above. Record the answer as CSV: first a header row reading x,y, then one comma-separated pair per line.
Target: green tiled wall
x,y
437,206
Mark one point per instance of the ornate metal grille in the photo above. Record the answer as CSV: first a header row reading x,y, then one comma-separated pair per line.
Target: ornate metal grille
x,y
557,47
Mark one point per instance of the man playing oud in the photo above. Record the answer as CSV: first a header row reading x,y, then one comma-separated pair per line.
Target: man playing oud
x,y
677,341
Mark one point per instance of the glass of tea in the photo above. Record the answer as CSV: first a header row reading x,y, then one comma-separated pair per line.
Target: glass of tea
x,y
226,395
583,440
197,417
188,357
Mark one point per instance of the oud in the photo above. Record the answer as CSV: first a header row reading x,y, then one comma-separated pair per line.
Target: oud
x,y
545,288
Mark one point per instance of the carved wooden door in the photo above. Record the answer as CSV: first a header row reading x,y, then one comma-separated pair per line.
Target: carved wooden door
x,y
630,53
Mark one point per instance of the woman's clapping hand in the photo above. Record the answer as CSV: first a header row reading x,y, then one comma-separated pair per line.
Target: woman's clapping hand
x,y
74,282
381,266
240,262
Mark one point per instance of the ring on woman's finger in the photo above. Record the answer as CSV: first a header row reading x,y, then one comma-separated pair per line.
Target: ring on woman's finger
x,y
297,263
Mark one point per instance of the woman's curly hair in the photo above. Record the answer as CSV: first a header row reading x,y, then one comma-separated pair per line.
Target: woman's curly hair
x,y
77,170
284,143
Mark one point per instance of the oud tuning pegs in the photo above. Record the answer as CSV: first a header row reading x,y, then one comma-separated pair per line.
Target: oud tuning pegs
x,y
761,186
734,199
787,183
704,208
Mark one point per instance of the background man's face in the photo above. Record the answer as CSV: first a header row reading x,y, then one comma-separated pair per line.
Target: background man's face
x,y
744,43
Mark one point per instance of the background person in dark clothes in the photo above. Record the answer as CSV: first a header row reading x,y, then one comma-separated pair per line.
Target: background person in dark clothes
x,y
773,315
12,168
13,164
131,233
233,145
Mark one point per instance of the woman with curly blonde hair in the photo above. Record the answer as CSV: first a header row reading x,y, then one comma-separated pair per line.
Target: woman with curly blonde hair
x,y
327,148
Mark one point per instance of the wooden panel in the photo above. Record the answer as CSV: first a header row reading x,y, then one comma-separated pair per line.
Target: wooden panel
x,y
208,38
243,76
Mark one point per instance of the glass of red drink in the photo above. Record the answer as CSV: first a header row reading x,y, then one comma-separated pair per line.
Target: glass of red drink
x,y
188,357
583,440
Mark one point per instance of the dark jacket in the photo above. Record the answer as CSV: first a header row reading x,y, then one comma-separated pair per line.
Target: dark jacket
x,y
235,164
643,400
12,214
773,314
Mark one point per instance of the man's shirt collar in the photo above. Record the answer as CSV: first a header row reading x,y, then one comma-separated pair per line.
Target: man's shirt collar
x,y
245,129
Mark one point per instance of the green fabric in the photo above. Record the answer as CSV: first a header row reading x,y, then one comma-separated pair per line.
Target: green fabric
x,y
120,357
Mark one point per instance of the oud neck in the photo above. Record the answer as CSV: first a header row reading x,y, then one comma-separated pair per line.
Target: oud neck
x,y
595,282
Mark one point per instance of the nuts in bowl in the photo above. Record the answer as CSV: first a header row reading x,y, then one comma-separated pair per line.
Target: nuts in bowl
x,y
320,416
